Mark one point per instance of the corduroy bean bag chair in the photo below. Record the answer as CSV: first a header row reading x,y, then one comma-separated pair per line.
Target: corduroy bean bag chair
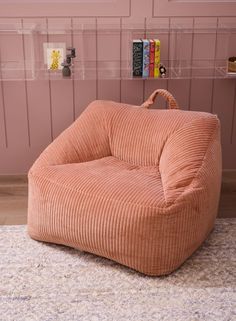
x,y
135,185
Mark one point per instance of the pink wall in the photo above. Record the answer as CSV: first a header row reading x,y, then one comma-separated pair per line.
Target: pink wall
x,y
32,113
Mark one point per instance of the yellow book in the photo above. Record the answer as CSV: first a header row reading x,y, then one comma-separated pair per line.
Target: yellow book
x,y
157,60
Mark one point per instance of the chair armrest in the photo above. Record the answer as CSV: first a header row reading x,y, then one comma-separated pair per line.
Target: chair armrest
x,y
191,158
85,140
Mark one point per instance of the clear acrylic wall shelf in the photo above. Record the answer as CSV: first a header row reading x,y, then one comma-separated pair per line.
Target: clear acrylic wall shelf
x,y
187,53
14,64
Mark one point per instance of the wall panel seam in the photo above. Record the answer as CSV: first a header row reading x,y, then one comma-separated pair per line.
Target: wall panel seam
x,y
167,85
73,77
96,54
233,116
213,80
120,55
50,91
3,106
191,65
4,112
26,86
130,9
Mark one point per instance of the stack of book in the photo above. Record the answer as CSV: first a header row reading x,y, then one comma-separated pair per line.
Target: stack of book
x,y
146,58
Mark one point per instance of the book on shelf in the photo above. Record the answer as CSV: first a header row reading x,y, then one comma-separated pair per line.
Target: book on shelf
x,y
146,53
146,58
137,58
152,58
157,60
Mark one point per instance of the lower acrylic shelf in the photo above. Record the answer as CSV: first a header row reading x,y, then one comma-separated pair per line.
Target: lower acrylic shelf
x,y
114,70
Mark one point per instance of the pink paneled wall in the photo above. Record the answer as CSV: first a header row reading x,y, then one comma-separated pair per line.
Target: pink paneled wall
x,y
33,113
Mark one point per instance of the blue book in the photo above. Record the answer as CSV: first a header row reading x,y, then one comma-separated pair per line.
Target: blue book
x,y
146,57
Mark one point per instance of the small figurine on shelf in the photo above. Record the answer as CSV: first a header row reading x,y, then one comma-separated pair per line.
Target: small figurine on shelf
x,y
66,71
72,52
71,55
162,70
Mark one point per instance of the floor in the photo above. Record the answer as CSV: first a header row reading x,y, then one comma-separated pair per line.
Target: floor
x,y
41,281
13,198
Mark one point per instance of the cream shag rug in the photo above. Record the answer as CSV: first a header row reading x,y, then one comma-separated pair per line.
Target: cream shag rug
x,y
45,282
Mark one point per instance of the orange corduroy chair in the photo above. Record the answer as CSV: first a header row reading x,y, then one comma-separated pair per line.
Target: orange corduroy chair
x,y
135,185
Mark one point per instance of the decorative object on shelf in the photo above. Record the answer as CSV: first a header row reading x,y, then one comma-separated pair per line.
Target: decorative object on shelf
x,y
232,64
54,58
54,55
162,70
66,72
146,58
67,63
71,55
72,52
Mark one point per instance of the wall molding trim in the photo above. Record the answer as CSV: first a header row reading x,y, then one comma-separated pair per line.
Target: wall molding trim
x,y
193,8
39,8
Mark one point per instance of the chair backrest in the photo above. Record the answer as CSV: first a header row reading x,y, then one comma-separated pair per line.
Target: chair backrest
x,y
138,135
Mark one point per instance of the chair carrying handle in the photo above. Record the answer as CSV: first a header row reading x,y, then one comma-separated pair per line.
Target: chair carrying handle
x,y
172,103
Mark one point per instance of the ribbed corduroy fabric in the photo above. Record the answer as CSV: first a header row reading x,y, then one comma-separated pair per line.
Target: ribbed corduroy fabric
x,y
138,186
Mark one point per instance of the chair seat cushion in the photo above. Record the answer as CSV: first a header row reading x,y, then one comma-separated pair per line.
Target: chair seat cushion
x,y
112,179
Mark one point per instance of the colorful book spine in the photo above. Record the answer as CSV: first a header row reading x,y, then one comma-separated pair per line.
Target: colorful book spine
x,y
157,58
137,58
151,58
146,53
